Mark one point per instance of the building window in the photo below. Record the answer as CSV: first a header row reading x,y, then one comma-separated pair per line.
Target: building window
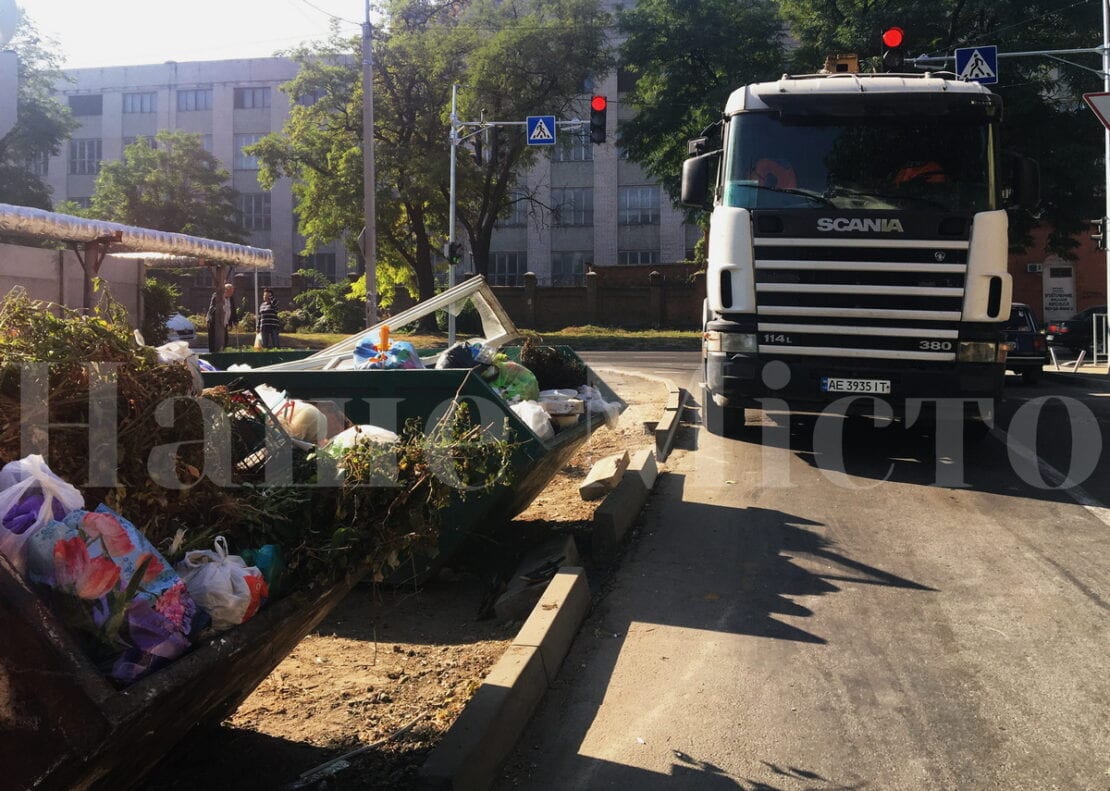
x,y
572,206
507,269
84,157
83,203
518,211
194,100
86,104
150,141
39,164
140,102
569,269
324,263
573,147
637,257
251,98
309,98
245,161
254,208
638,206
206,143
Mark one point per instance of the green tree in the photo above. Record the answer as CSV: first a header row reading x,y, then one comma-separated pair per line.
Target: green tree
x,y
423,49
43,125
174,186
1043,116
687,57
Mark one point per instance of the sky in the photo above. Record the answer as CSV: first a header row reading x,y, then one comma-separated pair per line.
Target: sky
x,y
94,33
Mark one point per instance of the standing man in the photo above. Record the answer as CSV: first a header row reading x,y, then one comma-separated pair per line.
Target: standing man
x,y
269,325
231,316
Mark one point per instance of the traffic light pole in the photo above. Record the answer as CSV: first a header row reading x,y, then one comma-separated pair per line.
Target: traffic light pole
x,y
459,134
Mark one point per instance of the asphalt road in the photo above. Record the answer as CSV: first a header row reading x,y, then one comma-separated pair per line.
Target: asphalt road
x,y
803,613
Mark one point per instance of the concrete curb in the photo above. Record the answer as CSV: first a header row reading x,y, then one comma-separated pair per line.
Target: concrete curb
x,y
474,748
667,427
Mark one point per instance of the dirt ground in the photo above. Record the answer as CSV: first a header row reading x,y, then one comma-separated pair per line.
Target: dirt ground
x,y
386,661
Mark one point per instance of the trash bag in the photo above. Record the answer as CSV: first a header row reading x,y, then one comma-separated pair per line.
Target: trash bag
x,y
92,561
399,355
345,440
269,560
229,590
30,497
303,421
514,382
536,418
465,355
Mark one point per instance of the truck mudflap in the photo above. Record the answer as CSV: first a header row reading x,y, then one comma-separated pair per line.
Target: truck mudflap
x,y
739,380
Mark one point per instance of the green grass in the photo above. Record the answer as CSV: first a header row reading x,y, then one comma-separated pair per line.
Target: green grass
x,y
585,338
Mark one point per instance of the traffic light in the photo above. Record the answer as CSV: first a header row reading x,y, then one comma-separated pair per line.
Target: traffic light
x,y
452,251
598,106
894,60
1098,232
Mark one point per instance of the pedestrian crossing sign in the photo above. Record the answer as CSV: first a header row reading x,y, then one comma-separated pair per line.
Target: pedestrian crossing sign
x,y
541,130
978,64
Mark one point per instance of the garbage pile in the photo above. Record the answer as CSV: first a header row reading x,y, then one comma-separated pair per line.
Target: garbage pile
x,y
172,530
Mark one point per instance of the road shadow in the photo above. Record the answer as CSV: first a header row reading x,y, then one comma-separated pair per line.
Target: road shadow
x,y
766,566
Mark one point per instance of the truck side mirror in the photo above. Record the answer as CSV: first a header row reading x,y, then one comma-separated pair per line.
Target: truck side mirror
x,y
695,181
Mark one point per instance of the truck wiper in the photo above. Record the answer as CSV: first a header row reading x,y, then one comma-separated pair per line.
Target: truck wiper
x,y
883,196
817,196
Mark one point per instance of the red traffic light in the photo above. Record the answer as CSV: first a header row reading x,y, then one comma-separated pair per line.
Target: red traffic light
x,y
893,37
598,103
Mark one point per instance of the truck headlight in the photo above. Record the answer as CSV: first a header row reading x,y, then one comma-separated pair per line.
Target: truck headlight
x,y
730,342
979,352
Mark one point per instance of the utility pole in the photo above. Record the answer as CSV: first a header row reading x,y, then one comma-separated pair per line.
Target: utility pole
x,y
370,235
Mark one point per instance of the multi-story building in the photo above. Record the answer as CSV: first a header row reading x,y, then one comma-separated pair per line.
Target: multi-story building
x,y
589,207
230,103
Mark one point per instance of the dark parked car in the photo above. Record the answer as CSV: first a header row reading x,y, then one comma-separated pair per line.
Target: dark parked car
x,y
1027,347
1076,333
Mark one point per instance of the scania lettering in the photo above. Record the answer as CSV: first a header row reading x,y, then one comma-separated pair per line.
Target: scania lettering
x,y
858,234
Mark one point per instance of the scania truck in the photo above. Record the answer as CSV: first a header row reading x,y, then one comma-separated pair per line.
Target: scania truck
x,y
857,243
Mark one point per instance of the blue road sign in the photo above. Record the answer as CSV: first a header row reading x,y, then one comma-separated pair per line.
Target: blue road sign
x,y
541,130
978,64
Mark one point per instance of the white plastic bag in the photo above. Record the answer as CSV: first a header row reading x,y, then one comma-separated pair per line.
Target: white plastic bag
x,y
227,588
303,421
20,483
535,417
347,439
179,352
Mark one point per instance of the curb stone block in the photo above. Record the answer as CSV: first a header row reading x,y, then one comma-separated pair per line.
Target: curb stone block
x,y
470,754
604,476
520,596
556,617
614,516
643,464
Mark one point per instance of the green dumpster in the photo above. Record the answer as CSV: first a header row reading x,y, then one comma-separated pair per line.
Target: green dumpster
x,y
392,398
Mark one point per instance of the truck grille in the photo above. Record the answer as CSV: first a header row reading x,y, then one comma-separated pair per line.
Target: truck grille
x,y
860,298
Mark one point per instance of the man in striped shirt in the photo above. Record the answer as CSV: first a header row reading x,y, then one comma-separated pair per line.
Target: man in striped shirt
x,y
269,325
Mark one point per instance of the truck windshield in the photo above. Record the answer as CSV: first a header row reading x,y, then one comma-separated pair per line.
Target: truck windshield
x,y
908,163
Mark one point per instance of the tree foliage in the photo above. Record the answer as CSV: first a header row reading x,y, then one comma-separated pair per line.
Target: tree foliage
x,y
43,125
174,186
687,57
516,58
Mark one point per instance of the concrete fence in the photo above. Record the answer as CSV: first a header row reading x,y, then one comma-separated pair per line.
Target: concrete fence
x,y
610,300
57,276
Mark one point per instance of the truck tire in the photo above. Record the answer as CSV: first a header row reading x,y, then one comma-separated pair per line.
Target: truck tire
x,y
724,421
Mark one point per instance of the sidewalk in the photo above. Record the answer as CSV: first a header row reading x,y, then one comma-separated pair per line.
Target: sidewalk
x,y
1086,375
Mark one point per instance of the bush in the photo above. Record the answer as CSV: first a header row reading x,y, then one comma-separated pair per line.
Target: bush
x,y
247,323
159,303
330,307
